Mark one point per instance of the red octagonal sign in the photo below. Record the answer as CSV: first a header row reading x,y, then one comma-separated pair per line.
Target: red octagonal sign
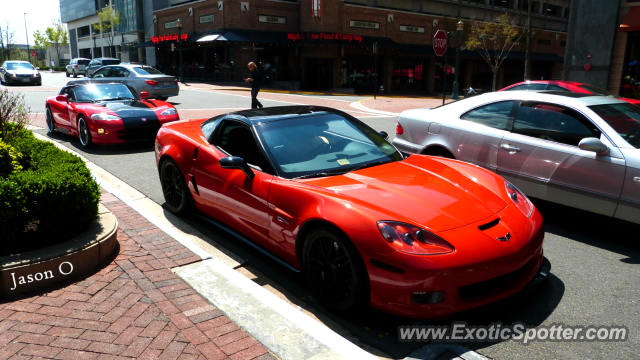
x,y
440,42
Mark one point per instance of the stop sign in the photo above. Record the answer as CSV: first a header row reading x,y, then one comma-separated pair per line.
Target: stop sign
x,y
440,42
33,54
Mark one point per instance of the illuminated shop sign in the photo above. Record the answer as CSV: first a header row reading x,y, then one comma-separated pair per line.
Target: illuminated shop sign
x,y
323,36
174,37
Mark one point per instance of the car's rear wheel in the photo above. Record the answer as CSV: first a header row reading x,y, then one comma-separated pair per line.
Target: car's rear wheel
x,y
74,74
84,134
174,188
438,151
51,124
162,98
334,270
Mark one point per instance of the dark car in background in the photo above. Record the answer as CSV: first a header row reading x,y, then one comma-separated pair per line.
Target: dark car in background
x,y
97,63
77,67
19,72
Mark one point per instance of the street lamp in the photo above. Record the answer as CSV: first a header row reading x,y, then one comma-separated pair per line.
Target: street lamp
x,y
459,28
27,33
94,36
179,25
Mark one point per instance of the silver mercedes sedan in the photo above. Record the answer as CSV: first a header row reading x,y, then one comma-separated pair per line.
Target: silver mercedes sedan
x,y
139,77
573,149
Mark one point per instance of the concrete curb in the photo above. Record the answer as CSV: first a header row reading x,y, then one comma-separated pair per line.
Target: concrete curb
x,y
358,105
40,268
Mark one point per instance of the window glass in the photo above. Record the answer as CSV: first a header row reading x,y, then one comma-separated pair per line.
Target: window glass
x,y
101,73
119,72
83,62
536,86
623,118
519,87
237,140
323,143
102,92
556,87
210,125
110,62
147,70
494,115
553,123
19,66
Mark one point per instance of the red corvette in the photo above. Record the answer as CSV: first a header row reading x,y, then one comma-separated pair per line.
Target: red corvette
x,y
107,114
571,86
414,235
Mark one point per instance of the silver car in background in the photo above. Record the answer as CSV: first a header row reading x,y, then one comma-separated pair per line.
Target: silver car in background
x,y
138,77
77,67
573,149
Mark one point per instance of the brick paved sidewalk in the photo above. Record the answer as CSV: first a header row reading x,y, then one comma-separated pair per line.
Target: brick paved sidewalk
x,y
398,105
134,307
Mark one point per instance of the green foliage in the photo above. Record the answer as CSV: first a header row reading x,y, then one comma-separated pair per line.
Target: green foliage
x,y
9,160
52,199
57,36
13,115
109,21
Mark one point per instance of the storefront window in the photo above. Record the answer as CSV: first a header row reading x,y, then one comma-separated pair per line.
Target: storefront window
x,y
408,75
631,70
358,73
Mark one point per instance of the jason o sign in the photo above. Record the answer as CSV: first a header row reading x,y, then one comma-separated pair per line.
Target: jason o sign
x,y
64,268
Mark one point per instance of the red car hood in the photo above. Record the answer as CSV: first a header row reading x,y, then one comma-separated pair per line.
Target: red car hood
x,y
419,190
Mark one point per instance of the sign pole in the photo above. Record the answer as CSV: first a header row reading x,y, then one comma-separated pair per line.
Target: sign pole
x,y
375,69
444,72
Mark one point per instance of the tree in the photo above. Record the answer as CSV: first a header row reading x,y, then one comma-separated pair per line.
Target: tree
x,y
7,38
493,40
57,36
527,56
41,43
109,21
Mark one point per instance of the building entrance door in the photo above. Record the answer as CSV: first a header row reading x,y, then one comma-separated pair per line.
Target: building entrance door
x,y
318,74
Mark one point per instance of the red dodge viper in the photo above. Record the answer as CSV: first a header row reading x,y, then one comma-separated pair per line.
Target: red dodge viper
x,y
107,114
323,193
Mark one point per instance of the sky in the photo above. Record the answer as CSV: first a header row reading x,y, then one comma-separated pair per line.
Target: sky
x,y
39,16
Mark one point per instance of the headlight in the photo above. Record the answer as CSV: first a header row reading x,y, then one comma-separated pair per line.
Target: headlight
x,y
170,111
11,74
35,73
411,239
522,202
104,116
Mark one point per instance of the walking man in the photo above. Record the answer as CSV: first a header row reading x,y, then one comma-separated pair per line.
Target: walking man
x,y
53,64
255,80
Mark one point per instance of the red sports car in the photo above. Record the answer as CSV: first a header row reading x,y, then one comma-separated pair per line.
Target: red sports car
x,y
107,114
414,235
571,86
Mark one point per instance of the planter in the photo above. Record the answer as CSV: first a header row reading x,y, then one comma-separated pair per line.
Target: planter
x,y
40,268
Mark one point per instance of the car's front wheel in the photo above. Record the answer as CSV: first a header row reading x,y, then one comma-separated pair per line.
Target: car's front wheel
x,y
334,270
51,124
84,134
66,72
74,74
174,188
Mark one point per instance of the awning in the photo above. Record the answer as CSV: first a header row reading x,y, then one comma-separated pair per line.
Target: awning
x,y
427,50
632,20
209,38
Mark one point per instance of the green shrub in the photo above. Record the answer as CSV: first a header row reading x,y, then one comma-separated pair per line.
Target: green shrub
x,y
9,160
53,198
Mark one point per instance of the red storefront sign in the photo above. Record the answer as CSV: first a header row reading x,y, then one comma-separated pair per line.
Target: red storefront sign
x,y
174,37
323,36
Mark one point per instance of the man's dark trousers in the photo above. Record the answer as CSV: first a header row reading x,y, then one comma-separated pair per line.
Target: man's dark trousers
x,y
254,98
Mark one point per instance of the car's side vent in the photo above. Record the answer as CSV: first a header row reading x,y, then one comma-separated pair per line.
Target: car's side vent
x,y
385,266
195,185
489,225
195,153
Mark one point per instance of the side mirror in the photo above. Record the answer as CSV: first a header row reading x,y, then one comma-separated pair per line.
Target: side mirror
x,y
144,95
37,68
62,98
384,135
234,162
593,144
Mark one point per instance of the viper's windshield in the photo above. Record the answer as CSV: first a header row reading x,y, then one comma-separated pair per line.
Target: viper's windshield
x,y
323,144
91,93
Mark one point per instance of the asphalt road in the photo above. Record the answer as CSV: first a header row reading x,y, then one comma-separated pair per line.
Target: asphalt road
x,y
594,277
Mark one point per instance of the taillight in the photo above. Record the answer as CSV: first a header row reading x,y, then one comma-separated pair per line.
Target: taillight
x,y
522,202
151,82
76,66
411,239
399,129
175,81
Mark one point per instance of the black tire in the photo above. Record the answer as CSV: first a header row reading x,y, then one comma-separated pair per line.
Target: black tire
x,y
74,74
84,134
334,270
438,151
66,73
51,124
162,98
174,188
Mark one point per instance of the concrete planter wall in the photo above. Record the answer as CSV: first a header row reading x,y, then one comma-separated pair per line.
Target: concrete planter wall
x,y
40,268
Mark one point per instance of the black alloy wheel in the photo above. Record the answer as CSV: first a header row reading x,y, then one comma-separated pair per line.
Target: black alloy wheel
x,y
51,124
334,270
174,188
83,133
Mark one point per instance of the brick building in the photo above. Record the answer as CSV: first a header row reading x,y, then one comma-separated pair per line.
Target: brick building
x,y
327,44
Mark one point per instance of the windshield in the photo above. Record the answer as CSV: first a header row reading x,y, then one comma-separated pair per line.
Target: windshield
x,y
323,143
147,70
598,91
91,93
83,62
110,62
19,66
623,118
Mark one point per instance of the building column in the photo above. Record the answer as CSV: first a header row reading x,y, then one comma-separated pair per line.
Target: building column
x,y
432,75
